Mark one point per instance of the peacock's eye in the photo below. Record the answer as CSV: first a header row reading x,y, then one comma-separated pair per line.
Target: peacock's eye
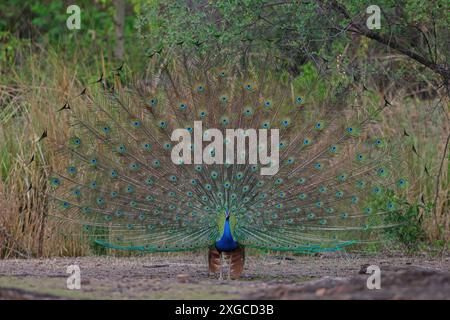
x,y
72,170
153,102
134,166
156,163
75,141
55,182
402,183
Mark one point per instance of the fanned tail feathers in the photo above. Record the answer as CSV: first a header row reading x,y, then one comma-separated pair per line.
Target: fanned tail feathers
x,y
338,175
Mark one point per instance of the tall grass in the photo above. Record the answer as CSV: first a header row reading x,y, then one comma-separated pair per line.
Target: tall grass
x,y
426,123
31,95
32,92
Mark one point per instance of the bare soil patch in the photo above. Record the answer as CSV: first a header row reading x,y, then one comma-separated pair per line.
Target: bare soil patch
x,y
333,276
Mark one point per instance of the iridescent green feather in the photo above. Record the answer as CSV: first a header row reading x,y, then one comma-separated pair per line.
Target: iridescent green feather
x,y
339,176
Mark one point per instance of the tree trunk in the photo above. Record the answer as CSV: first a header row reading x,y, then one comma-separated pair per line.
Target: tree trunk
x,y
119,21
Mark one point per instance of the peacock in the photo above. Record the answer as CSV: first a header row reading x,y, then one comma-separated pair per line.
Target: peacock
x,y
318,176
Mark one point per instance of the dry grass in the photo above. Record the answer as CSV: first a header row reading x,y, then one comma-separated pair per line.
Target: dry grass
x,y
30,97
27,226
427,123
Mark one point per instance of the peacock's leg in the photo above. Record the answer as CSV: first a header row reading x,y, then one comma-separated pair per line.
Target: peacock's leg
x,y
221,275
213,261
229,266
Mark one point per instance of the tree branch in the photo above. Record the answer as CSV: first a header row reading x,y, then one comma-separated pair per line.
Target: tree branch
x,y
361,29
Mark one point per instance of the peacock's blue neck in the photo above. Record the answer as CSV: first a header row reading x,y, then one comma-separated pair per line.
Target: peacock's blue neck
x,y
226,242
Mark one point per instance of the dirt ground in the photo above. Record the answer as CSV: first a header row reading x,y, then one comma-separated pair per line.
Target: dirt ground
x,y
329,276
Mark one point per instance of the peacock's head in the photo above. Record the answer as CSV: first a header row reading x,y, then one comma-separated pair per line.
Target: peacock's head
x,y
227,214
